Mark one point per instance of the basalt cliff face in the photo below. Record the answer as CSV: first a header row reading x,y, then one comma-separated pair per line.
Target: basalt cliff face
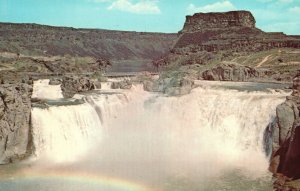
x,y
233,30
286,139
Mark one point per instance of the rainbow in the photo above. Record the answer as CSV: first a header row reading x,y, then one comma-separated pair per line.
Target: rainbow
x,y
82,178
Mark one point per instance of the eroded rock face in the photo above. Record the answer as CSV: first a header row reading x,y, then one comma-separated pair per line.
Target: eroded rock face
x,y
286,138
230,73
15,108
204,21
230,31
72,85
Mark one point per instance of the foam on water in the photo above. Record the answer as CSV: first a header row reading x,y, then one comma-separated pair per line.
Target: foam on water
x,y
42,90
137,135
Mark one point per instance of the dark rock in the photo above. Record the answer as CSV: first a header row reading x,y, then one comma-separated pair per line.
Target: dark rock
x,y
15,108
286,140
72,85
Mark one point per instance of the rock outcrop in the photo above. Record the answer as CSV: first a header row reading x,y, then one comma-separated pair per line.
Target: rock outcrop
x,y
15,108
171,86
234,30
286,137
230,72
72,85
205,21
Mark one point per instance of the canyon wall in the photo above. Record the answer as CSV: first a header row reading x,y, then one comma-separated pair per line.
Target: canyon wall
x,y
34,39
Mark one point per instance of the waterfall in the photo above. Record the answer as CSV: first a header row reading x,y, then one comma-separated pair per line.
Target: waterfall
x,y
63,133
204,132
42,90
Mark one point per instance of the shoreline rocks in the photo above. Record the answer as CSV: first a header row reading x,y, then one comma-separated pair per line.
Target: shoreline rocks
x,y
15,112
285,160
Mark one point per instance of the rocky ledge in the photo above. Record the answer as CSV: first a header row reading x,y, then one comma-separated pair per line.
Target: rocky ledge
x,y
285,161
15,108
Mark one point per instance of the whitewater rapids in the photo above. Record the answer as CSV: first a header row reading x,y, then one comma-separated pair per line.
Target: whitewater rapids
x,y
150,136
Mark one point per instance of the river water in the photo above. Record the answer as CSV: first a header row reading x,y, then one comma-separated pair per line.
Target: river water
x,y
130,140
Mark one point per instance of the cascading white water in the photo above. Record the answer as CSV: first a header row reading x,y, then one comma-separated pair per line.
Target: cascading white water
x,y
141,134
64,133
42,90
205,132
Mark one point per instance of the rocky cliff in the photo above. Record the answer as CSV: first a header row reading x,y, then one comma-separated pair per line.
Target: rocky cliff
x,y
234,30
15,108
211,21
286,139
228,46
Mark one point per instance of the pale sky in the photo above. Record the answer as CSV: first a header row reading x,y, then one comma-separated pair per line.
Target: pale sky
x,y
146,15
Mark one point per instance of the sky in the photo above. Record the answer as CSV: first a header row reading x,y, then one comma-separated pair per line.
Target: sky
x,y
146,15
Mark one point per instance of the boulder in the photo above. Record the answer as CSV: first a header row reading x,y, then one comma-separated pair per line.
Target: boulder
x,y
72,85
176,86
125,84
15,109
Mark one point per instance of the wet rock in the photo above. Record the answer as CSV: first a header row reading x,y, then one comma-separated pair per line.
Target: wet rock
x,y
286,143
